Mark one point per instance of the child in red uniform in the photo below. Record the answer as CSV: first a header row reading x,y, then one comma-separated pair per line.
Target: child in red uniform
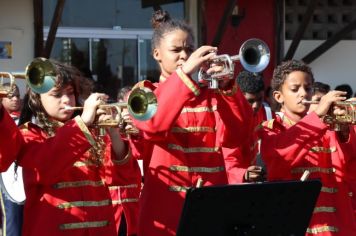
x,y
125,197
191,126
10,139
296,141
68,194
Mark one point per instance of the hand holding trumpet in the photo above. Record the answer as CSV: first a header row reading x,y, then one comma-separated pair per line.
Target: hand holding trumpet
x,y
91,110
335,110
328,103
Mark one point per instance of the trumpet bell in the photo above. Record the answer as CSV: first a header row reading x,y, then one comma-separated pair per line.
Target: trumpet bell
x,y
142,104
254,55
41,75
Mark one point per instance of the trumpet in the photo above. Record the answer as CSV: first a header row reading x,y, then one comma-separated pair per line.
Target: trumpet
x,y
335,121
5,90
141,105
41,75
254,56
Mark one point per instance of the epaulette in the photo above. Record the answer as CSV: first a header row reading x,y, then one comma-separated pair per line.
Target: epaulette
x,y
29,126
268,123
25,127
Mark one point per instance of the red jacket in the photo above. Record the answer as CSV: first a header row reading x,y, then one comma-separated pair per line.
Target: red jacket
x,y
11,140
69,193
184,140
289,149
125,198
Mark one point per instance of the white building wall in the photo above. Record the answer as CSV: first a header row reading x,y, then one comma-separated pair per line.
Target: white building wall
x,y
17,26
336,66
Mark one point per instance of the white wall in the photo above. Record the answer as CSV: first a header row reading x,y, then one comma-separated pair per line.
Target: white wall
x,y
17,26
336,66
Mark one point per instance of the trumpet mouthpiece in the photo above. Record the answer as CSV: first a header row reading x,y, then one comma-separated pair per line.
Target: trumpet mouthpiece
x,y
310,102
70,108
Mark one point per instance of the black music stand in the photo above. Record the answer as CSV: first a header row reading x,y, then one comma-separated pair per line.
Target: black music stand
x,y
262,209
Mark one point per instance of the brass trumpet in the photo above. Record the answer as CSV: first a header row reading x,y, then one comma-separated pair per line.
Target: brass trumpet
x,y
141,104
5,90
254,56
335,121
41,75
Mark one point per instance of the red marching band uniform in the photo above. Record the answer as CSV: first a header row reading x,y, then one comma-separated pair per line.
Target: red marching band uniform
x,y
69,193
289,149
184,142
10,140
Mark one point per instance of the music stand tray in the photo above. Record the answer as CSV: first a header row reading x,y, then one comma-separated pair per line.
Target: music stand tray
x,y
261,209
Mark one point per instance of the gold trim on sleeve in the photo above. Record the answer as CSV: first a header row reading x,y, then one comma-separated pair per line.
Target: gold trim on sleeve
x,y
188,82
124,160
85,130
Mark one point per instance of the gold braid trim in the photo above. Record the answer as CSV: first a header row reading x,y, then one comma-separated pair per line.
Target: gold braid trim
x,y
323,149
197,169
324,209
83,225
66,205
76,184
187,81
85,130
322,229
124,160
125,200
178,188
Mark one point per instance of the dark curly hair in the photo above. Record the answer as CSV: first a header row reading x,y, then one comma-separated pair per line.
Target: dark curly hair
x,y
162,24
250,82
281,72
32,107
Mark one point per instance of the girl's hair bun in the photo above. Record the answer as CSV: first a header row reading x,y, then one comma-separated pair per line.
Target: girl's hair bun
x,y
159,17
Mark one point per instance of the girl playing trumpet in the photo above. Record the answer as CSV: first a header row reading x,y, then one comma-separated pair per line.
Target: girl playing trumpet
x,y
70,196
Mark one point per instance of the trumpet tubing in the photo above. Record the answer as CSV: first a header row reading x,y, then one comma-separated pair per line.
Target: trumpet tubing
x,y
141,104
10,76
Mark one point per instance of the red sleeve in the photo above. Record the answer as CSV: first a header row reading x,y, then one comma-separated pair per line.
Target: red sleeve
x,y
11,140
121,172
283,148
349,150
237,116
171,95
51,156
236,164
